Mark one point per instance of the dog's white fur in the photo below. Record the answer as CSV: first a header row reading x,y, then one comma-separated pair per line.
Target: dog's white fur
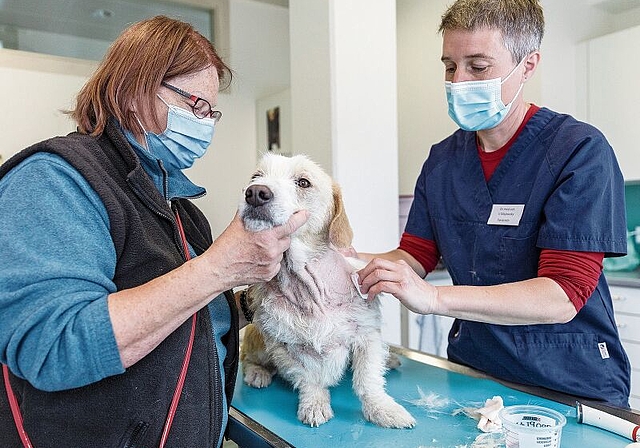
x,y
310,320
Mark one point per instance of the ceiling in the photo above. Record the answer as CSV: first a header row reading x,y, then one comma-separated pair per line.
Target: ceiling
x,y
85,28
284,3
615,6
105,19
100,19
94,19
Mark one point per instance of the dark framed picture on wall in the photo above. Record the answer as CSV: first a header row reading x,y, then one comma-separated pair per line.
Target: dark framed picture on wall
x,y
273,124
273,129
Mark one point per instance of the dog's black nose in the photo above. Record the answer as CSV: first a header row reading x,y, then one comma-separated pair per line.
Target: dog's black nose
x,y
257,195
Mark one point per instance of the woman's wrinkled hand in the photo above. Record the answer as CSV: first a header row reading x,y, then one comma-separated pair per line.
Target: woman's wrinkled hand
x,y
240,257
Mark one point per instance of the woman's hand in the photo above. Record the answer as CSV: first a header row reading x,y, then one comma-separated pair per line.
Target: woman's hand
x,y
538,300
400,280
241,257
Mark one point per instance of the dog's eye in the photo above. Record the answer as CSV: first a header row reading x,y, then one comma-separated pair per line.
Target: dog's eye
x,y
256,175
303,183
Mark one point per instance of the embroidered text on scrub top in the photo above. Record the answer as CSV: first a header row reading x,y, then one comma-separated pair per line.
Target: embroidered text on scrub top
x,y
506,214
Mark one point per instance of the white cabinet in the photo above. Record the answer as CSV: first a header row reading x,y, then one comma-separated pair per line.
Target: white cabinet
x,y
424,333
404,205
429,333
626,304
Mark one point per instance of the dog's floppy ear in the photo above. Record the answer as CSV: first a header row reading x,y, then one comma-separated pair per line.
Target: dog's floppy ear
x,y
340,233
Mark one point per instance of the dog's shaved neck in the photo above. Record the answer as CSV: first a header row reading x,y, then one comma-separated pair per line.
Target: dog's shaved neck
x,y
324,282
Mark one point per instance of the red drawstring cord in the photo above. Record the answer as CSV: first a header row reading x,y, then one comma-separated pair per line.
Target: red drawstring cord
x,y
187,357
15,408
178,391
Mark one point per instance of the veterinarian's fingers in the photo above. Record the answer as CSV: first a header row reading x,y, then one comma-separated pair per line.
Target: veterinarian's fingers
x,y
368,269
375,271
388,287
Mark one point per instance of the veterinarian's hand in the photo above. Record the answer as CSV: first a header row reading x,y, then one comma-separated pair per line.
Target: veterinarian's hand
x,y
241,257
400,280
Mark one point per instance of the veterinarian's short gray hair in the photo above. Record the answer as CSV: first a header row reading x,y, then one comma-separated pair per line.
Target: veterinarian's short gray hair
x,y
521,22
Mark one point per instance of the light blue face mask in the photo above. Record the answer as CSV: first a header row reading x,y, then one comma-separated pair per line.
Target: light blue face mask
x,y
477,105
185,139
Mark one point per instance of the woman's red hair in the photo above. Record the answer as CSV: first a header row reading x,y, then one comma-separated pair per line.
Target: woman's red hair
x,y
144,55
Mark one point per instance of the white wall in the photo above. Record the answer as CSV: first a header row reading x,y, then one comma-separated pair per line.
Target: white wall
x,y
365,129
34,89
259,47
344,106
568,24
311,80
344,112
282,100
258,44
422,105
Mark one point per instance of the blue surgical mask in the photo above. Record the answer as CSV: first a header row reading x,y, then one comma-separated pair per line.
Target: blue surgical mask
x,y
185,139
477,105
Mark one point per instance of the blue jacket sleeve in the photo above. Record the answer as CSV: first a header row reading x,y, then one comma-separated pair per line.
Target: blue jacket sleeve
x,y
56,267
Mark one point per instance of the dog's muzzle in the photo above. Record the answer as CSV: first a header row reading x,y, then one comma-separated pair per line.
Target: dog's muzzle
x,y
257,213
258,195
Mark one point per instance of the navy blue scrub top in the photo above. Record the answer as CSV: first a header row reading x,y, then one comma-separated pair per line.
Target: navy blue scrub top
x,y
566,175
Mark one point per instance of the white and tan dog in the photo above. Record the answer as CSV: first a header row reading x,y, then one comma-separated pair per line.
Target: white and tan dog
x,y
310,321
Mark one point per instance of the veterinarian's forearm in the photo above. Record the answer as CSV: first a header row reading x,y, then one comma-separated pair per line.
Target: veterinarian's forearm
x,y
142,317
535,301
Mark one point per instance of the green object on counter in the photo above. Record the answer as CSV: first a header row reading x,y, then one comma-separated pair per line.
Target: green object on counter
x,y
632,199
629,262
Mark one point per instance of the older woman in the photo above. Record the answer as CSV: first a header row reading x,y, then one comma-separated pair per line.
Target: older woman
x,y
117,327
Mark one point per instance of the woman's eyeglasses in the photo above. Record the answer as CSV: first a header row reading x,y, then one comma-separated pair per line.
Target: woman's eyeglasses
x,y
201,107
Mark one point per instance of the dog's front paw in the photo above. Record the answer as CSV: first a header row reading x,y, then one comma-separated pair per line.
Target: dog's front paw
x,y
314,407
257,376
388,414
315,414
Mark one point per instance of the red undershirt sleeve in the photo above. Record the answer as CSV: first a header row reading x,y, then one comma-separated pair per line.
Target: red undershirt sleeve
x,y
424,251
577,273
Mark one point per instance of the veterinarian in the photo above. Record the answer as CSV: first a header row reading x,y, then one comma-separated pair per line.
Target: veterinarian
x,y
522,203
109,280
